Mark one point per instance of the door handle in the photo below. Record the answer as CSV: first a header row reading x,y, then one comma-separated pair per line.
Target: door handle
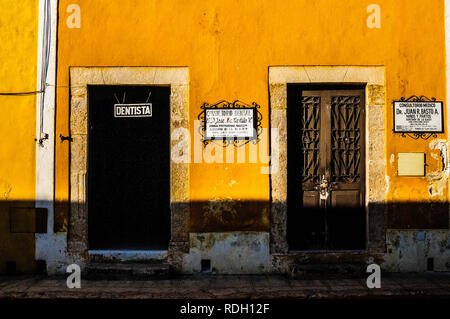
x,y
325,187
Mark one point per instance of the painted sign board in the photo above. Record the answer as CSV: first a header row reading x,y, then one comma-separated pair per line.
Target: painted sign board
x,y
133,110
418,117
223,123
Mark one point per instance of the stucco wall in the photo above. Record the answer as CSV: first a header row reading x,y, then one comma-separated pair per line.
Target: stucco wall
x,y
228,47
18,56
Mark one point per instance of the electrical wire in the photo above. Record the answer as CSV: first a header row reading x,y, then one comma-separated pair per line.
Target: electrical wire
x,y
47,32
42,91
45,57
46,43
21,93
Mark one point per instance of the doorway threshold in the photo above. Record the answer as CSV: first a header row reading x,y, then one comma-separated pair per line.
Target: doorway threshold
x,y
343,251
128,255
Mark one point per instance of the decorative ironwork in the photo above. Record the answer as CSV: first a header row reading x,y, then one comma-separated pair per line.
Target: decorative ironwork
x,y
345,139
310,133
231,105
415,98
418,135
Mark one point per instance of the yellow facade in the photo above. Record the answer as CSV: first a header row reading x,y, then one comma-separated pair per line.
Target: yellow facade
x,y
18,53
228,47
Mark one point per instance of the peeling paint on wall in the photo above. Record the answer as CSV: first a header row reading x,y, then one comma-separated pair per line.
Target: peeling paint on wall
x,y
229,253
5,189
388,184
409,251
219,210
438,179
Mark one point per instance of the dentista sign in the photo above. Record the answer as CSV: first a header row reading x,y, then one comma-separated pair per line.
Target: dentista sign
x,y
418,117
133,110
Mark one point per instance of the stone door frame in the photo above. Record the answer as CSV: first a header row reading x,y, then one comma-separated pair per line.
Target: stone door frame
x,y
80,77
373,78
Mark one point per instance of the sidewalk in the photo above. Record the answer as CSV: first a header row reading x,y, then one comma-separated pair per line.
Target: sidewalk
x,y
230,287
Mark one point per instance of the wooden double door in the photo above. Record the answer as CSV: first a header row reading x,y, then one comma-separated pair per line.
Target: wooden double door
x,y
326,164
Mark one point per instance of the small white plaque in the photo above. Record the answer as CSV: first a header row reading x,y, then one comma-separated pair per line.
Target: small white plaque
x,y
230,123
133,110
418,117
411,164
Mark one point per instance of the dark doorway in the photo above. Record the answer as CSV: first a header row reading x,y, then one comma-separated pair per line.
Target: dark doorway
x,y
128,169
326,161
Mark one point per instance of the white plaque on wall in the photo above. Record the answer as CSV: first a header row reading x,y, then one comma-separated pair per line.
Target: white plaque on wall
x,y
230,123
418,117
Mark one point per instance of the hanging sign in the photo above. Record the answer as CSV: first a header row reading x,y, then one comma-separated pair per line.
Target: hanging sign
x,y
133,110
418,116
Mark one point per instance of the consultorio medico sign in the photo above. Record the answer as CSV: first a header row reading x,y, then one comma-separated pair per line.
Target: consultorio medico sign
x,y
417,115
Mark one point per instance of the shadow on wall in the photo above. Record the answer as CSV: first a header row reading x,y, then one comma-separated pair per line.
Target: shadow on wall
x,y
19,222
312,229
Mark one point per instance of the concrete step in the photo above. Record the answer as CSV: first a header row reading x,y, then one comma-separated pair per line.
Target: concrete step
x,y
127,271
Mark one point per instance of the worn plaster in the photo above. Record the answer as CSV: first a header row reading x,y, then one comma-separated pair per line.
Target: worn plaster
x,y
409,251
229,252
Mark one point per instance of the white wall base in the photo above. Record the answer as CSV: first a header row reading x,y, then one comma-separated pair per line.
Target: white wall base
x,y
230,253
408,251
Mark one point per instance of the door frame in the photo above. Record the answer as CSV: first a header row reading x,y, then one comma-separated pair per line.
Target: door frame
x,y
325,157
373,78
80,77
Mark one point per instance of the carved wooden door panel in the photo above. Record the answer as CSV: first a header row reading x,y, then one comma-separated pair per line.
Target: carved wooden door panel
x,y
326,151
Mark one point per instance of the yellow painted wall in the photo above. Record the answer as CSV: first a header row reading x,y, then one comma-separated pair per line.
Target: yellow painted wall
x,y
228,46
18,57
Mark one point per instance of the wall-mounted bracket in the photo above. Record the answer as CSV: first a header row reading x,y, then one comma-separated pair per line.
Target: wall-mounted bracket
x,y
65,138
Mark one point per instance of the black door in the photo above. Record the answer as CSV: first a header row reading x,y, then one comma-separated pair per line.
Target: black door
x,y
326,168
128,169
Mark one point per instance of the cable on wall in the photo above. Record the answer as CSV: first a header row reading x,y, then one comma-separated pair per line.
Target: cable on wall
x,y
21,93
46,42
46,38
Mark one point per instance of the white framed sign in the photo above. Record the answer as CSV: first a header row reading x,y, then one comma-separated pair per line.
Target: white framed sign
x,y
418,116
239,123
133,110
